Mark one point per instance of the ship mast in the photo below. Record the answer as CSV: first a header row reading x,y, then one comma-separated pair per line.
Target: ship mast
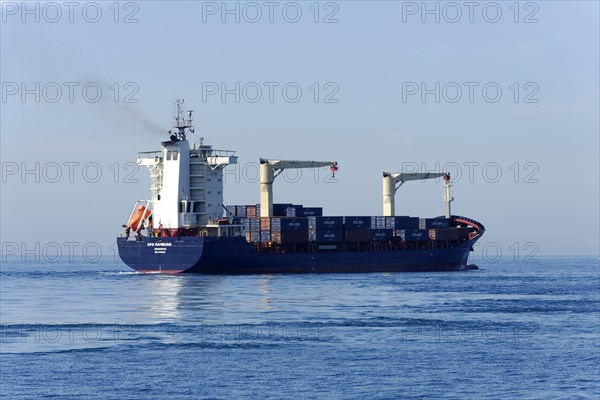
x,y
180,122
447,196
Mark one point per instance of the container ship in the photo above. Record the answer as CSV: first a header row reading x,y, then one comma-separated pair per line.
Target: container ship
x,y
185,228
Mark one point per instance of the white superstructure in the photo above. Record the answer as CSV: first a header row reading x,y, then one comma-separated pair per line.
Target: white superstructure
x,y
187,182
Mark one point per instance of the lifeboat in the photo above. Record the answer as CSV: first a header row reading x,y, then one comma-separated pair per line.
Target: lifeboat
x,y
139,215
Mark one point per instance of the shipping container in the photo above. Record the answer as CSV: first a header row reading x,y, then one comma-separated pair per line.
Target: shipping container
x,y
265,223
358,235
312,212
288,224
377,222
351,223
329,236
279,209
231,211
329,223
254,224
294,211
433,223
251,212
402,222
265,236
443,234
290,237
253,237
240,211
381,235
413,235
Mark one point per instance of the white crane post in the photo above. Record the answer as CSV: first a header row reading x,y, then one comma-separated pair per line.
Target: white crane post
x,y
389,190
266,188
447,196
392,181
270,169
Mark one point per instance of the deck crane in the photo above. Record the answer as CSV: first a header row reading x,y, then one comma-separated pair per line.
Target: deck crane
x,y
270,169
393,181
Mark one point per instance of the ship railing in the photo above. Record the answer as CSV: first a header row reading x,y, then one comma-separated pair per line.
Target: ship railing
x,y
212,152
478,225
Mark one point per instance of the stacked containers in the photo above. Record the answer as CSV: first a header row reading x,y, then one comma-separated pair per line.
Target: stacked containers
x,y
253,230
326,229
240,211
265,229
294,211
251,212
357,229
289,230
279,209
378,222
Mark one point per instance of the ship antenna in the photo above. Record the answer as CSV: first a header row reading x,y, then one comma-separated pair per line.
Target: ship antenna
x,y
180,121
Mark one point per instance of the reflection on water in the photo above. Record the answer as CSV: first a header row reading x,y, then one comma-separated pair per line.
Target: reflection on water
x,y
202,299
265,300
165,297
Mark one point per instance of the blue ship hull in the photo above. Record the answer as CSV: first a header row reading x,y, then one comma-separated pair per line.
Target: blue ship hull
x,y
234,255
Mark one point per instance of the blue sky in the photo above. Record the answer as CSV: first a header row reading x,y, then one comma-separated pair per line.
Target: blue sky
x,y
541,133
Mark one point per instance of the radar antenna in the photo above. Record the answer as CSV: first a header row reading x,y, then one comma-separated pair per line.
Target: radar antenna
x,y
180,122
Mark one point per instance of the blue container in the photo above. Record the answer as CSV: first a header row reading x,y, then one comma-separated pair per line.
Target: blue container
x,y
329,236
231,211
294,211
352,223
288,224
329,223
254,224
357,235
279,209
381,235
433,223
265,236
413,235
253,237
406,222
240,211
312,212
378,222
